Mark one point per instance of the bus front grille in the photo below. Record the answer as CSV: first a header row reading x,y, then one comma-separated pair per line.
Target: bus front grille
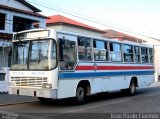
x,y
29,81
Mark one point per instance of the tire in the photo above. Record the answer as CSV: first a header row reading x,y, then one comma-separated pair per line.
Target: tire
x,y
80,95
132,88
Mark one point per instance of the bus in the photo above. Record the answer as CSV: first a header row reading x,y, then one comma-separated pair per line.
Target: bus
x,y
55,64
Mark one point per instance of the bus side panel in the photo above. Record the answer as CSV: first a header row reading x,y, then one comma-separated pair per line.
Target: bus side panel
x,y
145,80
67,88
96,85
119,82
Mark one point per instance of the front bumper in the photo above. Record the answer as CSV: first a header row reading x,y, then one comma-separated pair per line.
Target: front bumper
x,y
45,93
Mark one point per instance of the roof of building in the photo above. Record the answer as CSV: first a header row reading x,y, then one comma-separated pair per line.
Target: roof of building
x,y
29,5
59,20
121,36
21,11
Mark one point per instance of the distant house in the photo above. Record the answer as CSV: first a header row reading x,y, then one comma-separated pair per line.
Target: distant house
x,y
113,34
59,22
15,15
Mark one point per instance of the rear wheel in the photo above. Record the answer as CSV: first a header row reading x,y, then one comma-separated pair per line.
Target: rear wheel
x,y
80,94
132,88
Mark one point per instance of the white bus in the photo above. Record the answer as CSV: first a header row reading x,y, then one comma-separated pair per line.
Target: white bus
x,y
51,64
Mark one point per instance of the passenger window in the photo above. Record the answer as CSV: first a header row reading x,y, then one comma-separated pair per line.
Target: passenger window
x,y
151,55
137,54
67,52
115,52
128,53
144,55
84,48
100,50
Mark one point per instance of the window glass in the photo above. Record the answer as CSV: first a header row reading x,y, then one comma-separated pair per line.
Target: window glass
x,y
2,21
151,55
100,50
34,55
20,55
128,53
67,52
39,55
127,49
2,76
137,54
84,48
144,55
115,52
53,61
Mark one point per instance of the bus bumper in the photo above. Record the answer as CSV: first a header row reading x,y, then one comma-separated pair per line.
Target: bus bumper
x,y
45,93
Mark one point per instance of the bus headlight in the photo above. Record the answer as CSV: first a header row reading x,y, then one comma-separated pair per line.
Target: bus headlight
x,y
11,83
45,85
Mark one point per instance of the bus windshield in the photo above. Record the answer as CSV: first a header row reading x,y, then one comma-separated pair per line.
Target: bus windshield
x,y
34,55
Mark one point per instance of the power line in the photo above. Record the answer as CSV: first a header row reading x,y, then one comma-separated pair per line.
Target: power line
x,y
73,14
87,18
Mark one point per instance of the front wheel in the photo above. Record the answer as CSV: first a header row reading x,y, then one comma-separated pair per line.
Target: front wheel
x,y
132,88
80,95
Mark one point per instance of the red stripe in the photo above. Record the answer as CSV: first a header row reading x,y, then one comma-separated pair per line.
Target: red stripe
x,y
123,67
113,67
85,68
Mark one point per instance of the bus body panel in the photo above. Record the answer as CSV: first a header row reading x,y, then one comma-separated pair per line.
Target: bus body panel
x,y
145,80
30,83
106,77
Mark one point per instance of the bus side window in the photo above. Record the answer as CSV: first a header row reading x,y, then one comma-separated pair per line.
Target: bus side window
x,y
137,54
115,52
151,55
144,54
100,50
67,53
84,48
128,53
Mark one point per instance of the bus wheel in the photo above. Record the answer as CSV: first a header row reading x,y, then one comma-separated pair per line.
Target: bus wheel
x,y
132,88
80,95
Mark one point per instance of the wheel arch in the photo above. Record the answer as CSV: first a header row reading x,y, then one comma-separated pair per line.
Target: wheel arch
x,y
135,79
86,85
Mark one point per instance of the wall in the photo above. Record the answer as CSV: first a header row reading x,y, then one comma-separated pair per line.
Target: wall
x,y
14,4
74,29
9,20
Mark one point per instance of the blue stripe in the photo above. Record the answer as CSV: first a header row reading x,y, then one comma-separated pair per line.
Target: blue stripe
x,y
99,74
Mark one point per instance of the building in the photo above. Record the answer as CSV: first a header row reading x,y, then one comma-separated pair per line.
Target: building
x,y
113,34
59,22
15,15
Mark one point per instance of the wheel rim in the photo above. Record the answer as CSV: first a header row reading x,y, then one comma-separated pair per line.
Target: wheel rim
x,y
80,94
132,88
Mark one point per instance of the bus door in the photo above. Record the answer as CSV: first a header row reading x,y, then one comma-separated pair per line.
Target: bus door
x,y
67,52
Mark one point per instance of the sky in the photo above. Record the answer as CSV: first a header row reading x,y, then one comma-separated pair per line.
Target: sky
x,y
135,16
